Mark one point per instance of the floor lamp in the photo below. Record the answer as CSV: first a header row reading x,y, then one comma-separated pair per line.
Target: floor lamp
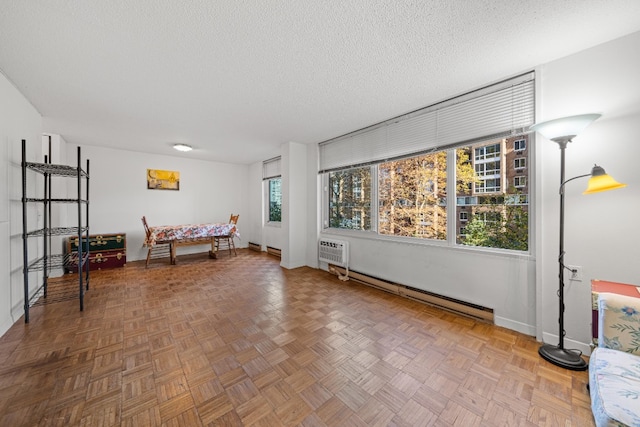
x,y
562,131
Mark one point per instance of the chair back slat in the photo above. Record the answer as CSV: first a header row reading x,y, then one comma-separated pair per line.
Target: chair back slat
x,y
146,227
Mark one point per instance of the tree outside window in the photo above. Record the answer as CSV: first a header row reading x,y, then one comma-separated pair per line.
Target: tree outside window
x,y
499,219
350,199
275,200
410,192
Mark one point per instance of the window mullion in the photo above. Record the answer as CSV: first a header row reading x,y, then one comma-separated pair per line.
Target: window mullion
x,y
374,198
451,198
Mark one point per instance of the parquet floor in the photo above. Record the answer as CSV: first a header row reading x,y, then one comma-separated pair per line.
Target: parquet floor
x,y
239,341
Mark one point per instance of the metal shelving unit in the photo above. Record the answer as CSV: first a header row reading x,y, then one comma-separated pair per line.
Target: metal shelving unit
x,y
45,263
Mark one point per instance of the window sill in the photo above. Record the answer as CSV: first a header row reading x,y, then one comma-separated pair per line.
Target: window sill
x,y
370,235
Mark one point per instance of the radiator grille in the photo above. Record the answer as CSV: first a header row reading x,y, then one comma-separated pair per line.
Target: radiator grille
x,y
334,252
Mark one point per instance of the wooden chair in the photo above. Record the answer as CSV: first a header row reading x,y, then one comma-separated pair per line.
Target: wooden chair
x,y
226,241
160,249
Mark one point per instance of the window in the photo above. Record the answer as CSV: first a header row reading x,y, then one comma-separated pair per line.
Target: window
x,y
517,199
350,199
275,200
357,220
488,186
499,216
488,169
409,193
408,176
488,152
467,201
489,216
273,189
357,187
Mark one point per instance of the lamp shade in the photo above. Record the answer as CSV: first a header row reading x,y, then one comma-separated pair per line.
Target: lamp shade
x,y
600,181
565,128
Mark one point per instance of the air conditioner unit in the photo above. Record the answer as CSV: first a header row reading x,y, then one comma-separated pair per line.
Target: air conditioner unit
x,y
334,252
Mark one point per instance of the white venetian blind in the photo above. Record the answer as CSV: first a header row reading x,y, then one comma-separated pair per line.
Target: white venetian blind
x,y
503,109
271,168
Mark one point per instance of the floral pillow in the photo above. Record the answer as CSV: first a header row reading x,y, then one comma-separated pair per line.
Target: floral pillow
x,y
619,319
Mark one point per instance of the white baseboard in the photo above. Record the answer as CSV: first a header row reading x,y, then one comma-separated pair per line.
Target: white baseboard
x,y
6,324
585,348
523,328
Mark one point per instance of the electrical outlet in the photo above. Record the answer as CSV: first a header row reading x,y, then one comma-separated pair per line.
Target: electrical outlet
x,y
575,272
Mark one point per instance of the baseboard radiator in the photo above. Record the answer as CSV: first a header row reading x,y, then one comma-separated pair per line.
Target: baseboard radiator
x,y
274,251
255,247
449,304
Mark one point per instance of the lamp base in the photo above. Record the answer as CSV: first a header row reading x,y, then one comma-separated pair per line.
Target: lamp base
x,y
561,357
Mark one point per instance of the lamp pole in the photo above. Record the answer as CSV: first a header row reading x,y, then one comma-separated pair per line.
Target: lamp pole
x,y
563,146
558,355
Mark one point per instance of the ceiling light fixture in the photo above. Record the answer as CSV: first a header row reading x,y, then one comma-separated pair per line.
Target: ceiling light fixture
x,y
182,147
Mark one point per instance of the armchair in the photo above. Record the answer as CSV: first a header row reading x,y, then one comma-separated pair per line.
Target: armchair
x,y
614,366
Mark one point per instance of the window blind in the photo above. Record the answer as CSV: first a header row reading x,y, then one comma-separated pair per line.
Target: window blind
x,y
500,110
271,168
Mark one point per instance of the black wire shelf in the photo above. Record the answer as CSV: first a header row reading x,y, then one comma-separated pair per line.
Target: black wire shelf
x,y
41,200
57,231
58,261
54,290
59,289
57,170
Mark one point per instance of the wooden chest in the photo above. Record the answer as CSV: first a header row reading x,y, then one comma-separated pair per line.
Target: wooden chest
x,y
105,251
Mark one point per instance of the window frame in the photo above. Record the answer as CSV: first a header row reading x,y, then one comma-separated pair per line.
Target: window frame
x,y
453,224
501,111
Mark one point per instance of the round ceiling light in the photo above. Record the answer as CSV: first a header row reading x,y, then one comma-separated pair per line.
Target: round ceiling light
x,y
182,147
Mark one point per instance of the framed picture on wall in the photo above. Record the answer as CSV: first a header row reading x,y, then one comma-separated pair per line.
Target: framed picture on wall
x,y
163,180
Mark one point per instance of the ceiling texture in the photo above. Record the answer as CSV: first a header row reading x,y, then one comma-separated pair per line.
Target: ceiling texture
x,y
236,79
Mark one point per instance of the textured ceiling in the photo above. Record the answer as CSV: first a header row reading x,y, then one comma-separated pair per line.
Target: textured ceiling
x,y
236,79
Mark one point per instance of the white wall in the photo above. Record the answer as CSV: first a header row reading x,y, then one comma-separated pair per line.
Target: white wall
x,y
601,230
55,148
314,200
504,283
255,203
209,192
264,233
294,205
18,120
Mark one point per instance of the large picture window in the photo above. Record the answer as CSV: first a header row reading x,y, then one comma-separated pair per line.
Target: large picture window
x,y
455,172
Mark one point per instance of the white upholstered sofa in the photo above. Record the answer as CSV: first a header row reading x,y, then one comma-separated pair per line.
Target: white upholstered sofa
x,y
614,366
